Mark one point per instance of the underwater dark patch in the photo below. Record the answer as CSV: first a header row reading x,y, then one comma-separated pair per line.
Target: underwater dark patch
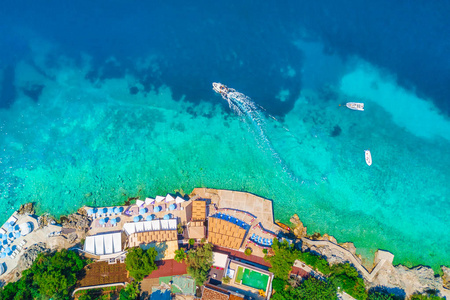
x,y
336,131
33,91
8,91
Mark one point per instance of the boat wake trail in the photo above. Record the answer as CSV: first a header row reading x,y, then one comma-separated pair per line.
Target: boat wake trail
x,y
255,116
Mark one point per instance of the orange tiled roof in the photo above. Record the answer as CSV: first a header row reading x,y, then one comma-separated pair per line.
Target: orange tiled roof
x,y
224,233
210,294
196,230
198,210
147,237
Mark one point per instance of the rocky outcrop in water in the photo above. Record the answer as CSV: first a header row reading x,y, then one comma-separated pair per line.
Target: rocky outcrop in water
x,y
28,257
298,228
45,220
26,209
76,221
446,276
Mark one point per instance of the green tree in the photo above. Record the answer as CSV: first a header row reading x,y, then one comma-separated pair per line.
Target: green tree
x,y
311,288
199,262
426,297
140,263
130,292
50,276
347,277
226,279
180,255
248,251
191,242
282,260
380,296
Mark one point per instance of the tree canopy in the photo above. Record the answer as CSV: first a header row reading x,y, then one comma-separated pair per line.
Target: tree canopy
x,y
199,262
311,288
140,263
180,255
50,276
282,259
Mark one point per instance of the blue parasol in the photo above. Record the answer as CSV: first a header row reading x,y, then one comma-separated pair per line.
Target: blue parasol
x,y
17,234
149,217
167,217
110,210
101,221
113,221
116,210
136,218
172,206
142,210
104,210
157,209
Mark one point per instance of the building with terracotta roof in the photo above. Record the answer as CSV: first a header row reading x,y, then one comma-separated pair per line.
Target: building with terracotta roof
x,y
198,210
224,233
211,292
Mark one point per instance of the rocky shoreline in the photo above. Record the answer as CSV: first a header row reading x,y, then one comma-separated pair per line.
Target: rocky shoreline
x,y
399,279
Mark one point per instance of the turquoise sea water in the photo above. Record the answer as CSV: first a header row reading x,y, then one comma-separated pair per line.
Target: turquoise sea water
x,y
71,138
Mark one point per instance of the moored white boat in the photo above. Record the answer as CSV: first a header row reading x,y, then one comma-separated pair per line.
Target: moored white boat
x,y
368,157
355,106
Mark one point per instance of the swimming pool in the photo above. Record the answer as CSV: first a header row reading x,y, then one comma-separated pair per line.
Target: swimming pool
x,y
252,278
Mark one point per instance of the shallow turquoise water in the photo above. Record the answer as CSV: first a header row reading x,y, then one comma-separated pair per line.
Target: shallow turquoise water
x,y
89,143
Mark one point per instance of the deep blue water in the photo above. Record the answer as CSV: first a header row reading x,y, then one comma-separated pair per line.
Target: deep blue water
x,y
243,44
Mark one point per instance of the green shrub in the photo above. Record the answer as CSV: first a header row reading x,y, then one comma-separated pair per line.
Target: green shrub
x,y
248,251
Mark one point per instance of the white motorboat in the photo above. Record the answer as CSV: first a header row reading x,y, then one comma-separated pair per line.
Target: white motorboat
x,y
221,89
355,106
368,157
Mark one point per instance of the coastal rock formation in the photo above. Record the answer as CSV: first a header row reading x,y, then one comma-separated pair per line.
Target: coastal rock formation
x,y
411,281
26,209
44,220
72,237
446,276
298,228
76,221
28,257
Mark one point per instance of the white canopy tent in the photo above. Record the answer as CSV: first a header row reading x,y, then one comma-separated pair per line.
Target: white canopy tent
x,y
102,244
153,225
149,201
159,198
169,198
220,260
178,199
26,228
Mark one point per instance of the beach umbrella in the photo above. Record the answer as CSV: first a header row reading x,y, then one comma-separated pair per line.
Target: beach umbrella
x,y
167,217
3,236
5,242
110,210
17,234
106,220
142,210
17,227
90,212
113,221
157,209
136,218
121,209
149,217
104,210
2,255
8,251
172,206
101,221
11,235
116,210
10,228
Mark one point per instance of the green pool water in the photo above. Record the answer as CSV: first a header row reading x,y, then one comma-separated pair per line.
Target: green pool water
x,y
252,278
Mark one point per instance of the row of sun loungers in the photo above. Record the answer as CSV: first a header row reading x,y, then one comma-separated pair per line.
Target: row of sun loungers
x,y
260,240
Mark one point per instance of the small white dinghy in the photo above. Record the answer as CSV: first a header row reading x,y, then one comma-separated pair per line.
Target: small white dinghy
x,y
355,106
368,157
